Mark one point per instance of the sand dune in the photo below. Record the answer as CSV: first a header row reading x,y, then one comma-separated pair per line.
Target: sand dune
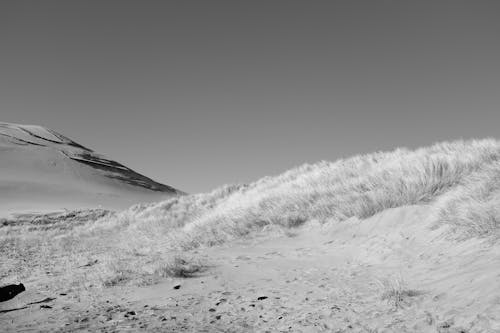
x,y
41,170
404,241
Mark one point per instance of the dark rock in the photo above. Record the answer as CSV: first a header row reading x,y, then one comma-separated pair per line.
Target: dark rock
x,y
261,298
10,291
43,306
218,317
177,286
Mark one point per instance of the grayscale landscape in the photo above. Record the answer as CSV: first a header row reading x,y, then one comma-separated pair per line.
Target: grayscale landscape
x,y
400,241
250,166
45,171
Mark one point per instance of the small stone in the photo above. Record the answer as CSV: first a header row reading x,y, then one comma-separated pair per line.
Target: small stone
x,y
130,313
177,286
261,298
222,300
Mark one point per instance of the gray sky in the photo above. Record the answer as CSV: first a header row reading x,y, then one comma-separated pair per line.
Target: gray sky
x,y
196,94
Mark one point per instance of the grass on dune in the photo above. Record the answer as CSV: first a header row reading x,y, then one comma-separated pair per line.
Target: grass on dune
x,y
460,181
395,291
332,192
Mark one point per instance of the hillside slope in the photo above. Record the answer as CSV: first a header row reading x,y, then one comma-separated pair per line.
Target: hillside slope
x,y
401,241
459,181
41,170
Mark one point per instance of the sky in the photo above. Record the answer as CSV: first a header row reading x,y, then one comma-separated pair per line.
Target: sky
x,y
197,94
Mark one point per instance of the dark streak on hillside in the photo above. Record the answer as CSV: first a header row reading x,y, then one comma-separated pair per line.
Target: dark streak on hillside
x,y
121,172
21,141
64,140
68,141
113,170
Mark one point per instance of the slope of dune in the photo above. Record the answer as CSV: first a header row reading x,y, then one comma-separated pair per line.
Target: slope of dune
x,y
401,241
41,170
459,181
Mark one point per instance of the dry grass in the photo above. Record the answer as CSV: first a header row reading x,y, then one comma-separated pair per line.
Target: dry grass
x,y
360,186
459,180
181,267
396,292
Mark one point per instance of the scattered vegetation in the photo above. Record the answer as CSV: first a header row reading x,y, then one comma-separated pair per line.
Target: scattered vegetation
x,y
56,220
396,292
460,181
121,277
181,267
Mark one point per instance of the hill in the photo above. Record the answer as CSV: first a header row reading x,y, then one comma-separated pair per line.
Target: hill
x,y
42,170
458,181
400,241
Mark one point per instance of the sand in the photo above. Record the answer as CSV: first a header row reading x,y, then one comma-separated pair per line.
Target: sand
x,y
43,171
389,273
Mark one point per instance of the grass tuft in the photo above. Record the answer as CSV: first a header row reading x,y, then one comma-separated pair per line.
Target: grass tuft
x,y
181,267
396,292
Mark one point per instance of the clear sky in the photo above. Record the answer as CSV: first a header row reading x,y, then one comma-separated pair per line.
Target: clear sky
x,y
196,94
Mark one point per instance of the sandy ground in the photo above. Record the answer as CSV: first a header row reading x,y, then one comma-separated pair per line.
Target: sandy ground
x,y
322,279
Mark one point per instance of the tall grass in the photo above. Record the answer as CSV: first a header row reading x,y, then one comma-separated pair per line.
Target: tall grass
x,y
333,192
460,181
473,207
